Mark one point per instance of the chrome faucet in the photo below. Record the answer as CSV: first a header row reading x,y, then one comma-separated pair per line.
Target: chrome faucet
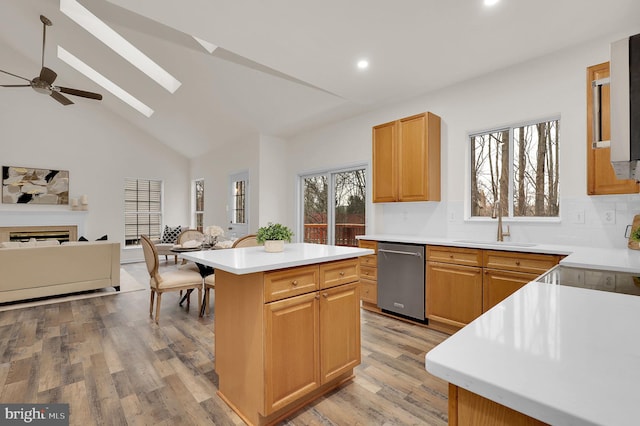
x,y
501,232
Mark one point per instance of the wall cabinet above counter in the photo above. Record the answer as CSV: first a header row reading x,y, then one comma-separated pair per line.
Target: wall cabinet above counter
x,y
406,159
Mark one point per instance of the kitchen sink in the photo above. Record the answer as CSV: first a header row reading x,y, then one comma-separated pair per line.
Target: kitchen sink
x,y
496,243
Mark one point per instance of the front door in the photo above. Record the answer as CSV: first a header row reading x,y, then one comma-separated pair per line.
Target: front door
x,y
238,205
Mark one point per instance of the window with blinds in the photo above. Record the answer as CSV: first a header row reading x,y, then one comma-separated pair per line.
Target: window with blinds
x,y
142,210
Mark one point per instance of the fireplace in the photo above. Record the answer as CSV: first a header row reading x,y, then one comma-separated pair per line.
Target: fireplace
x,y
61,233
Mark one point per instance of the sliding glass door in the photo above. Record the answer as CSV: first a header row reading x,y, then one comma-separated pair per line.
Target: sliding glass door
x,y
339,221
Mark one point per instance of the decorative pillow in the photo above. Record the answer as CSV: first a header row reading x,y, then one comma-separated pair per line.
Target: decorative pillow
x,y
170,235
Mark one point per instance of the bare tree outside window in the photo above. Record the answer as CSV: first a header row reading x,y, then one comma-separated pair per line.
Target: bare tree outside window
x,y
199,204
530,187
342,220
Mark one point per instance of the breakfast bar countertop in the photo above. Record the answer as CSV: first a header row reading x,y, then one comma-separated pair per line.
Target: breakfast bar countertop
x,y
563,355
248,260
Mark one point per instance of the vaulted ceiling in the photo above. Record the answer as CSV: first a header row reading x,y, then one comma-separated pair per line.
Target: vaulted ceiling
x,y
284,66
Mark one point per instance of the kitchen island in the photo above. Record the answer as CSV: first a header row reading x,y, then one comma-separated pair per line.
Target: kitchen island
x,y
287,325
549,354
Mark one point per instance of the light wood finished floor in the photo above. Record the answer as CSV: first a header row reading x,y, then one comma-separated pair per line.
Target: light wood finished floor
x,y
108,360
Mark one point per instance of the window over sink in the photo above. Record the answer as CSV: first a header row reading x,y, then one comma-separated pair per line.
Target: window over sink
x,y
515,169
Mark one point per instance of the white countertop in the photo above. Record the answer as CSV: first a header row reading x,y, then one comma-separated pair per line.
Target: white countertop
x,y
255,259
560,354
620,260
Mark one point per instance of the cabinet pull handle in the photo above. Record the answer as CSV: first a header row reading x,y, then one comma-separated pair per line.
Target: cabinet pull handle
x,y
518,262
450,256
294,282
317,297
325,295
341,273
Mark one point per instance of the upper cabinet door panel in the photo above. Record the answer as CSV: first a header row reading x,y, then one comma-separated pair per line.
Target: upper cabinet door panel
x,y
419,158
385,175
406,159
601,178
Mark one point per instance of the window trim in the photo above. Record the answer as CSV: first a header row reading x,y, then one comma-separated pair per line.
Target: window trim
x,y
512,219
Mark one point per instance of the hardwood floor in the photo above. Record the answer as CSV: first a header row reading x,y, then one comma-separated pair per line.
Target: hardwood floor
x,y
108,360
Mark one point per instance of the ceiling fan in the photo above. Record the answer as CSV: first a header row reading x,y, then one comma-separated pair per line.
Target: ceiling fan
x,y
43,83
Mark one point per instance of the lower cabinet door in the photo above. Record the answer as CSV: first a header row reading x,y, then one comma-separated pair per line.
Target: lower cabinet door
x,y
339,330
292,364
454,293
498,285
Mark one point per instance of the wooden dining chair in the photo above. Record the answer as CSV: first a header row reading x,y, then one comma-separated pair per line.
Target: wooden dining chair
x,y
210,280
246,241
174,280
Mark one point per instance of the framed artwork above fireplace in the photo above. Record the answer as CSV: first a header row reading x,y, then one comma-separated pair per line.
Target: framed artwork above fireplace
x,y
23,185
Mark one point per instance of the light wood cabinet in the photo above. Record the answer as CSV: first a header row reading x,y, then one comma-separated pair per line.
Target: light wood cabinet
x,y
506,272
468,408
454,294
462,283
277,349
601,178
292,352
497,285
369,276
406,159
339,330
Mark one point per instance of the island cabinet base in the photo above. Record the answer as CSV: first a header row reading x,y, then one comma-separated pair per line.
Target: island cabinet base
x,y
285,337
468,408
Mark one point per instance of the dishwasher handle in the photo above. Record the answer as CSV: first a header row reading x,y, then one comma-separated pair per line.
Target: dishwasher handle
x,y
408,253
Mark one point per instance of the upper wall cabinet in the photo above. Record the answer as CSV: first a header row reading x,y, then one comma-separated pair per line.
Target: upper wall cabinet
x,y
406,159
601,178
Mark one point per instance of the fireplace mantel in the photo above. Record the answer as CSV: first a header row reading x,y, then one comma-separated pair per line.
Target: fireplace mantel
x,y
17,218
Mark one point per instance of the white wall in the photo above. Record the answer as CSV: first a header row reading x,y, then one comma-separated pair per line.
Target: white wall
x,y
554,85
99,149
215,167
273,183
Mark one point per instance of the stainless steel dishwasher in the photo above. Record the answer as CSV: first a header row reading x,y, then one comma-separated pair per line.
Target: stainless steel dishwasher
x,y
401,282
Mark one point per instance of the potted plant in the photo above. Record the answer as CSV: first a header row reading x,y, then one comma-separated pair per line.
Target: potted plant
x,y
273,236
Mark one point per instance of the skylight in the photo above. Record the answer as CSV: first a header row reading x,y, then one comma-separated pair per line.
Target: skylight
x,y
119,44
103,81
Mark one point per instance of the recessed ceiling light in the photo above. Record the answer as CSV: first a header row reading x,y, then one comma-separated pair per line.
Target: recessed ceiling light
x,y
363,64
103,81
490,2
119,44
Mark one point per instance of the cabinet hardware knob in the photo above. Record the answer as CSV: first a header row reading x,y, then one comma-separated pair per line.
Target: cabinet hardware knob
x,y
294,282
325,295
317,297
341,273
518,262
450,256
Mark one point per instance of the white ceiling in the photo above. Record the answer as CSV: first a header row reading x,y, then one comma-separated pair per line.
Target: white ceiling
x,y
284,66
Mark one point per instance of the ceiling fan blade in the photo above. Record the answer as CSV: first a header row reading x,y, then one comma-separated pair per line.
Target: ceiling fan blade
x,y
60,98
15,75
48,75
15,85
82,93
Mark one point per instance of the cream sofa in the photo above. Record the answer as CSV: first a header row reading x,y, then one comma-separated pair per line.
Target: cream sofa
x,y
32,272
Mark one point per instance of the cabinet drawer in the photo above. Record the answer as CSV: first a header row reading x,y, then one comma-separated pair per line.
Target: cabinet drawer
x,y
369,273
369,260
369,291
338,272
290,282
368,244
519,262
456,255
